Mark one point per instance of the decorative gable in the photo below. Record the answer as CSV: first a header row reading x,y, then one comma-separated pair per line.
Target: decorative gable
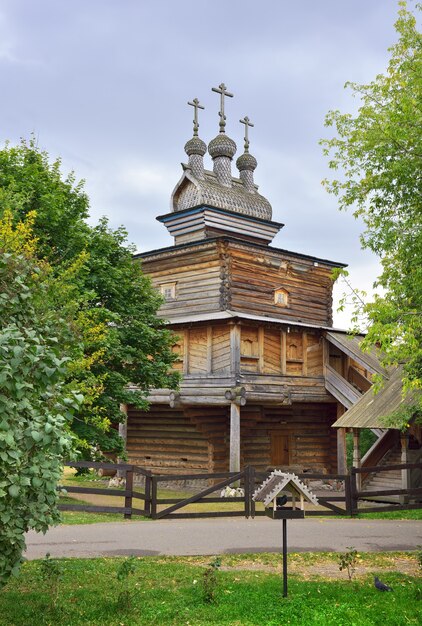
x,y
279,482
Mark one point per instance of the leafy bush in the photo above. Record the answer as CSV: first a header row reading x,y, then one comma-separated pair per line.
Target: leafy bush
x,y
210,580
36,405
126,569
52,574
348,561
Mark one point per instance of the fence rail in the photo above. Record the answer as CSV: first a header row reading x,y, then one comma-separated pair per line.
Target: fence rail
x,y
333,503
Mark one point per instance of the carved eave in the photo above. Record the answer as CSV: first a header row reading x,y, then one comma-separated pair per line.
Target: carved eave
x,y
204,222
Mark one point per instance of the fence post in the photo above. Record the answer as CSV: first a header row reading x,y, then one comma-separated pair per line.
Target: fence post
x,y
353,491
247,496
147,506
154,497
129,493
348,494
252,489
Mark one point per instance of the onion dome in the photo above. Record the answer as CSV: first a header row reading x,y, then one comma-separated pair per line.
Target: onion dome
x,y
246,162
195,146
222,146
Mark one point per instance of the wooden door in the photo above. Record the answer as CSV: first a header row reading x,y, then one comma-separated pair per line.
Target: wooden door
x,y
279,448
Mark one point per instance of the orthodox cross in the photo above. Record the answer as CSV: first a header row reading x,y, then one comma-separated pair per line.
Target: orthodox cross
x,y
195,104
222,90
247,122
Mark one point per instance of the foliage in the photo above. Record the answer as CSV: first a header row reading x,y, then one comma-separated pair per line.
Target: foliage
x,y
379,151
248,596
124,341
348,561
36,403
210,580
126,569
52,575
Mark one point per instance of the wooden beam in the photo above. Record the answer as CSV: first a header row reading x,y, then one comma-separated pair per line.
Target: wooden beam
x,y
305,354
341,445
209,349
234,437
325,355
356,456
186,352
261,349
283,352
235,349
340,388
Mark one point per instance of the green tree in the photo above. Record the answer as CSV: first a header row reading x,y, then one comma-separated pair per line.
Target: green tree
x,y
137,349
37,403
124,341
379,151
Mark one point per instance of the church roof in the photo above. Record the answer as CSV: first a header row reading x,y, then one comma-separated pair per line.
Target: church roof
x,y
212,240
191,192
218,188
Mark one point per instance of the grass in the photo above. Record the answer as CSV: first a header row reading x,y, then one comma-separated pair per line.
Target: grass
x,y
415,514
168,591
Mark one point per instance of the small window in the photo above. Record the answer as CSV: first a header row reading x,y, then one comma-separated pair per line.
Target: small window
x,y
281,297
168,291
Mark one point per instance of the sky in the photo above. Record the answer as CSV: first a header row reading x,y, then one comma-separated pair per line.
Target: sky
x,y
104,84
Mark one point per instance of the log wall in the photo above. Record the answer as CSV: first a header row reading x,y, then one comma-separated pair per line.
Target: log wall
x,y
166,441
311,440
197,438
229,275
196,274
254,277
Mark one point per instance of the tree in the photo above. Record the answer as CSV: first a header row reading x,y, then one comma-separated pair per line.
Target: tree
x,y
130,345
37,403
379,151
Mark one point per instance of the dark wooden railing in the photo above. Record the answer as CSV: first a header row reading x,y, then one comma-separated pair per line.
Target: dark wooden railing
x,y
359,495
331,502
129,493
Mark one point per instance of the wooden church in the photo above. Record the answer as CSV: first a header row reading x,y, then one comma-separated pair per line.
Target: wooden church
x,y
264,375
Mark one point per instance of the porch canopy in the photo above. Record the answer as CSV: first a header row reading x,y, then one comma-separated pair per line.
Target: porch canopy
x,y
371,408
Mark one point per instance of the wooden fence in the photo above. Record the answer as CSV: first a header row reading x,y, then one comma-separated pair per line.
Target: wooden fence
x,y
129,493
348,502
362,495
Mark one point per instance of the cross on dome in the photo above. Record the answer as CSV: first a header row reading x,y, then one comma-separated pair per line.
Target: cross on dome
x,y
195,104
222,90
247,122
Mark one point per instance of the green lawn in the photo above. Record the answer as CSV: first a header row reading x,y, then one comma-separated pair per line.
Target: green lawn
x,y
169,591
405,514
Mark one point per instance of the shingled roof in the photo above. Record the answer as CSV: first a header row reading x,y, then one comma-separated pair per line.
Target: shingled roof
x,y
279,481
372,407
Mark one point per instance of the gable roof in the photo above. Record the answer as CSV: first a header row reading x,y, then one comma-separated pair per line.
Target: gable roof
x,y
279,481
191,191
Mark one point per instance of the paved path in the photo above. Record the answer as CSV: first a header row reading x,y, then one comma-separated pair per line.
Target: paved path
x,y
219,536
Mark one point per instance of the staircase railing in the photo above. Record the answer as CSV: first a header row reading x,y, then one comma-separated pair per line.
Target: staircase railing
x,y
377,452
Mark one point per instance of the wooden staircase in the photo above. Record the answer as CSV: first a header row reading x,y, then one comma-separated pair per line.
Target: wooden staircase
x,y
385,480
